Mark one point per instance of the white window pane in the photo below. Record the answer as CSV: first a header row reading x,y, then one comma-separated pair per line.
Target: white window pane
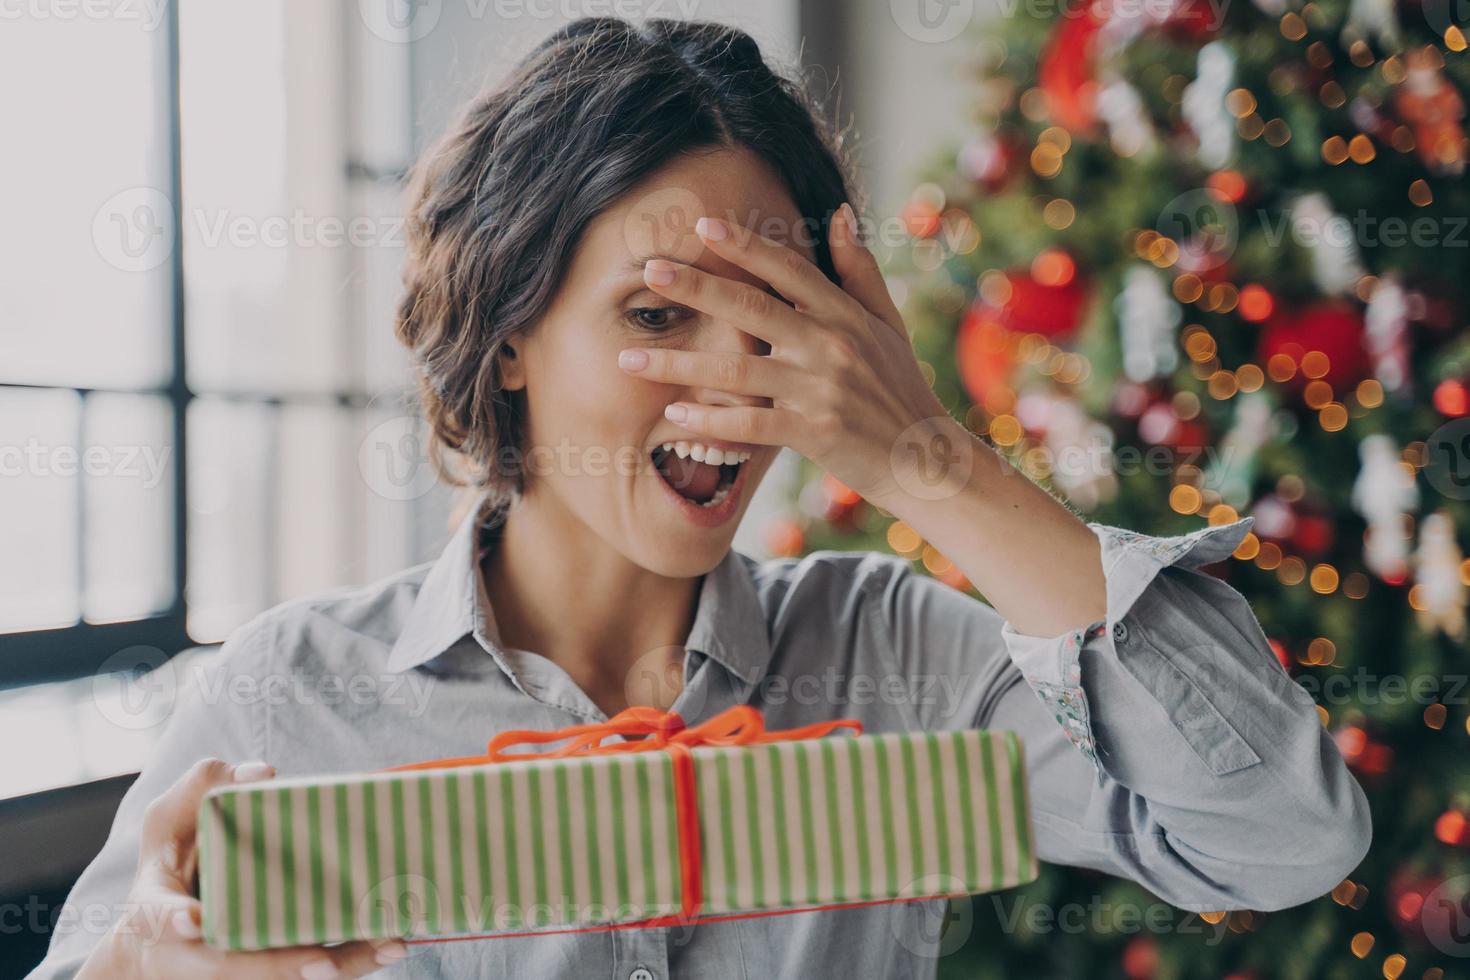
x,y
230,459
320,513
263,175
43,719
378,277
84,263
39,463
129,506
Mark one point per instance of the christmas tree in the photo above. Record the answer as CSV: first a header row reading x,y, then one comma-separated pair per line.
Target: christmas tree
x,y
1193,260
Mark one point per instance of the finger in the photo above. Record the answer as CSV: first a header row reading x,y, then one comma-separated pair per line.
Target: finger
x,y
170,821
351,959
859,271
794,277
743,423
741,374
755,311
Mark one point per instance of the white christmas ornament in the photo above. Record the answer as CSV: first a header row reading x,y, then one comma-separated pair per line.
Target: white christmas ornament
x,y
1387,334
1330,239
1437,563
1121,108
1204,105
1149,320
1375,18
1383,493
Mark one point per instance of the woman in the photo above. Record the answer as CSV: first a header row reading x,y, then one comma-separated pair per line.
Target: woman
x,y
632,277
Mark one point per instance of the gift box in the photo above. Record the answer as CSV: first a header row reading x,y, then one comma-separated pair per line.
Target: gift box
x,y
680,825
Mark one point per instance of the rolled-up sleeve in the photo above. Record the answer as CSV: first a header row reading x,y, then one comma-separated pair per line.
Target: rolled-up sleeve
x,y
214,714
1211,779
1164,743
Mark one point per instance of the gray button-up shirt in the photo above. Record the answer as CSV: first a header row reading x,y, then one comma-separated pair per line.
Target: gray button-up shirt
x,y
1165,744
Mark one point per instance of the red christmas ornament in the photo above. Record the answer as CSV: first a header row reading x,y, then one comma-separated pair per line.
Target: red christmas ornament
x,y
1313,537
1067,71
1141,958
1452,398
1299,528
1193,20
921,218
1332,328
1425,907
983,352
1051,307
1363,755
1452,828
1281,654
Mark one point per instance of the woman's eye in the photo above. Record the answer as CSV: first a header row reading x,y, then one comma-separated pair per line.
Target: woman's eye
x,y
655,317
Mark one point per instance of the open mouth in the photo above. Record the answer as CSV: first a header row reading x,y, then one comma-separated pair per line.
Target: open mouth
x,y
700,474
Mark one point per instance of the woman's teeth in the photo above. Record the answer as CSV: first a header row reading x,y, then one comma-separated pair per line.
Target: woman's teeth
x,y
729,462
706,454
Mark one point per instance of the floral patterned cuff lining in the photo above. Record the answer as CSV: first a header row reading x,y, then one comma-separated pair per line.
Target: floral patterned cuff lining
x,y
1053,666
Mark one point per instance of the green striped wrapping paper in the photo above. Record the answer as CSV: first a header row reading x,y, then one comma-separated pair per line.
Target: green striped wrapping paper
x,y
579,842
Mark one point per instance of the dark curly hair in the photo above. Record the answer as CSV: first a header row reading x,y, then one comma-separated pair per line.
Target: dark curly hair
x,y
495,209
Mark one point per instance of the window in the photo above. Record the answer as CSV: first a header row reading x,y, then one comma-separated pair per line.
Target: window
x,y
203,410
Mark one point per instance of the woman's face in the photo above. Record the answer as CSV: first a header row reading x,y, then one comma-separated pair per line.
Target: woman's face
x,y
594,431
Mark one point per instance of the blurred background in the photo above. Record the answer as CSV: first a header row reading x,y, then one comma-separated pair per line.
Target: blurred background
x,y
1181,260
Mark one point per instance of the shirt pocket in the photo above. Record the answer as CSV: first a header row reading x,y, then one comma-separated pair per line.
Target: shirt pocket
x,y
1191,710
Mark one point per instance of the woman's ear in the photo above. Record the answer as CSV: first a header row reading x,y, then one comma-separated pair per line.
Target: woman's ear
x,y
512,366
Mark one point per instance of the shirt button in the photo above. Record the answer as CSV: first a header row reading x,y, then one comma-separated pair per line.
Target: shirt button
x,y
1120,632
641,974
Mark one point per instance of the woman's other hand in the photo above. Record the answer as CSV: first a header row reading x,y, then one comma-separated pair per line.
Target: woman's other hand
x,y
159,934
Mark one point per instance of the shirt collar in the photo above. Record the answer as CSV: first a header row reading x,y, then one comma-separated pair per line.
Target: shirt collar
x,y
729,622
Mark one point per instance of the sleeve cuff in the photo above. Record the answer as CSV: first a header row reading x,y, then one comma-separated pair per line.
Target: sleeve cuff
x,y
1131,561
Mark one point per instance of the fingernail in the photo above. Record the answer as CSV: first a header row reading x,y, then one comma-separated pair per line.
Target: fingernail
x,y
185,925
319,970
390,953
633,360
675,413
851,219
658,272
247,771
712,228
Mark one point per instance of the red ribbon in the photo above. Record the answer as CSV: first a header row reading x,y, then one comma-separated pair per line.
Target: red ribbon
x,y
661,732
